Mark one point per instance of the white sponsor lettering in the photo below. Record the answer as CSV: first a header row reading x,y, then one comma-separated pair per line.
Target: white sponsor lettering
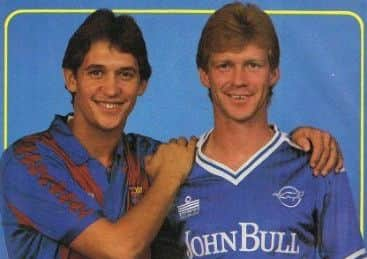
x,y
249,239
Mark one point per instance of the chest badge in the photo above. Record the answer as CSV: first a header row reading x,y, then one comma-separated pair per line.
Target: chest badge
x,y
189,208
289,196
136,193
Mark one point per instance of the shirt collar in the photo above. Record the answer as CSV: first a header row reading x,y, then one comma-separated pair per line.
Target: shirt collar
x,y
64,137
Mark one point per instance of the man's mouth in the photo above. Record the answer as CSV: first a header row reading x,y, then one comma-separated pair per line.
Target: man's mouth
x,y
109,105
237,97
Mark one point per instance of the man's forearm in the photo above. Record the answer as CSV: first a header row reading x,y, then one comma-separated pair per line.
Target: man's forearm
x,y
132,233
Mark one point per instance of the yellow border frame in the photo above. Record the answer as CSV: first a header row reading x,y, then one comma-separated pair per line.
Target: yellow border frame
x,y
204,11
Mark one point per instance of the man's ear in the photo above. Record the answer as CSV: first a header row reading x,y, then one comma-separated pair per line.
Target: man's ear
x,y
142,87
204,78
70,80
274,77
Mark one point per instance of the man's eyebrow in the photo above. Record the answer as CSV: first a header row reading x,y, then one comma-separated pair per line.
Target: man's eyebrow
x,y
222,60
128,68
257,59
99,66
94,66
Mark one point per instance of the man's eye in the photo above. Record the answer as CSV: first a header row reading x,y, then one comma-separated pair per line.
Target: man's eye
x,y
253,65
223,66
95,73
127,75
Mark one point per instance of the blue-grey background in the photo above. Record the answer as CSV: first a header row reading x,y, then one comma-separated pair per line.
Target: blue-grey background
x,y
320,71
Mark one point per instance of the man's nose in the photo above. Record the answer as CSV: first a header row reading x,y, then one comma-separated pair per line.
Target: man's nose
x,y
111,86
239,76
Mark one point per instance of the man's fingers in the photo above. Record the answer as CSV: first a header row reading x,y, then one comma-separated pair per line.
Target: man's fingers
x,y
325,154
172,140
302,137
147,159
340,165
331,162
340,160
173,159
150,165
304,144
325,151
152,161
192,142
182,141
317,148
335,160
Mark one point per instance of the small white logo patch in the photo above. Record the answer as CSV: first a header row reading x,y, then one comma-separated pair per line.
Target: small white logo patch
x,y
289,196
91,194
189,208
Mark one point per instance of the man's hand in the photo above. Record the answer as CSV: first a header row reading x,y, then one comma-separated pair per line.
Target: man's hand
x,y
325,151
131,235
172,160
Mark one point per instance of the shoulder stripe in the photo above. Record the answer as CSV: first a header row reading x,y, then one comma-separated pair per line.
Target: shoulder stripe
x,y
137,180
21,217
362,253
79,172
31,158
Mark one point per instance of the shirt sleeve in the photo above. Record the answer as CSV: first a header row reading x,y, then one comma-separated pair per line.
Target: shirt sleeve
x,y
43,197
340,236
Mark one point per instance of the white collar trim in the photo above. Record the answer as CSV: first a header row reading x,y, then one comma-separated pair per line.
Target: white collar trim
x,y
235,177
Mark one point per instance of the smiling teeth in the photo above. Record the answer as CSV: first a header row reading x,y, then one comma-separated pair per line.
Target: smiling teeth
x,y
109,105
238,97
